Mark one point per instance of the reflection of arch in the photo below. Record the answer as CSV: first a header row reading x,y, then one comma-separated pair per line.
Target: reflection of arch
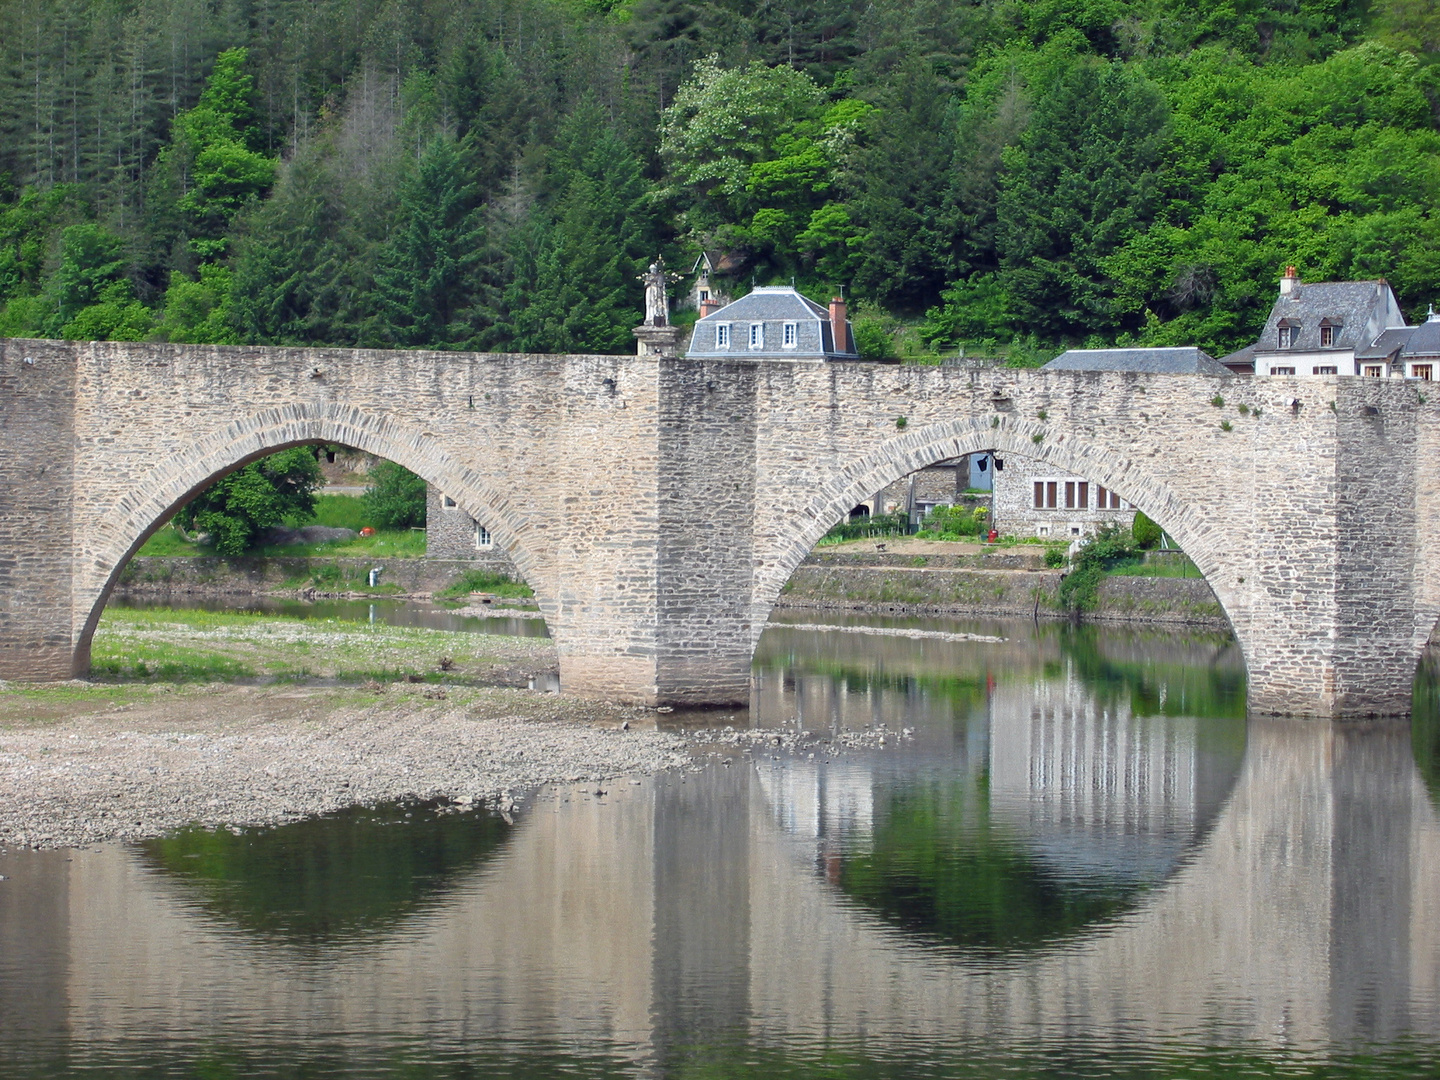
x,y
174,481
906,453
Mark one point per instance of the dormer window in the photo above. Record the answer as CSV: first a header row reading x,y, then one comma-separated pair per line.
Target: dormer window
x,y
1288,333
790,336
757,335
1329,333
722,335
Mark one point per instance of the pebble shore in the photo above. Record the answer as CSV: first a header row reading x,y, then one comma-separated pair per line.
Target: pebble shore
x,y
239,757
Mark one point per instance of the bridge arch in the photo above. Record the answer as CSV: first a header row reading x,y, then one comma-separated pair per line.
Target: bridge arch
x,y
911,450
172,482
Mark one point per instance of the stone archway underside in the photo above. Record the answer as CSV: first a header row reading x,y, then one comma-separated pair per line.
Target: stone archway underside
x,y
658,506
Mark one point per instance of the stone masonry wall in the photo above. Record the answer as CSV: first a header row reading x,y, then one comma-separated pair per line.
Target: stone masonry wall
x,y
37,505
657,507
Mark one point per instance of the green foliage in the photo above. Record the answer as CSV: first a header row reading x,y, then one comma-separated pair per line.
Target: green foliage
x,y
234,510
876,525
1027,176
199,311
485,581
213,166
955,522
1055,557
395,497
425,279
1145,532
1107,549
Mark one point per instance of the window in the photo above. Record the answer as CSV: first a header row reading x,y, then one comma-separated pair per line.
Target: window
x,y
722,335
1042,530
704,295
1106,500
1422,371
1046,494
789,336
1288,334
1282,371
757,335
1326,369
1083,488
1327,337
447,501
1069,494
1284,337
482,536
1373,371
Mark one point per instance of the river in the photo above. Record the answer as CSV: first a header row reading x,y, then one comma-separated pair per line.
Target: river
x,y
1053,852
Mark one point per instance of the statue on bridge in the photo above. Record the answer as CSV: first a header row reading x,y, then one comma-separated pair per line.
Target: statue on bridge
x,y
655,335
657,292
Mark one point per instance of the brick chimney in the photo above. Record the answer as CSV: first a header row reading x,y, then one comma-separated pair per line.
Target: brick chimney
x,y
1290,281
839,332
709,307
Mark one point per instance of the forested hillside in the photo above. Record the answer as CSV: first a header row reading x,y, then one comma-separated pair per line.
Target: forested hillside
x,y
493,174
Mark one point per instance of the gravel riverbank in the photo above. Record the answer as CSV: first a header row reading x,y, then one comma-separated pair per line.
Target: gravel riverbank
x,y
133,762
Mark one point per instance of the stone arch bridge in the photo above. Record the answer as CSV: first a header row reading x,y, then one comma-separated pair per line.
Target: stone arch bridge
x,y
658,506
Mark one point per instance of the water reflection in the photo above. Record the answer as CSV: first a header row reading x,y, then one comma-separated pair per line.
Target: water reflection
x,y
1048,780
1055,875
333,878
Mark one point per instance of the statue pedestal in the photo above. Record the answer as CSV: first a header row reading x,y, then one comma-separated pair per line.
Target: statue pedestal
x,y
657,340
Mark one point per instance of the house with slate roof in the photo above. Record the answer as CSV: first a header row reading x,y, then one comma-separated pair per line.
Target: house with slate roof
x,y
1329,328
1409,351
773,322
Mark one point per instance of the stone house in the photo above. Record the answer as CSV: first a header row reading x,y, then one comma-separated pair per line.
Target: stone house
x,y
941,484
1333,328
773,322
451,533
1034,498
704,291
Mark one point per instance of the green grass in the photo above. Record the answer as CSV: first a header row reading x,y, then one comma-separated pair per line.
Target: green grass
x,y
333,511
485,581
175,646
168,541
386,543
336,512
1180,567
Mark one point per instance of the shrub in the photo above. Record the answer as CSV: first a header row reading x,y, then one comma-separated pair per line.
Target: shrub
x,y
956,521
395,498
1107,549
266,492
1145,531
1054,557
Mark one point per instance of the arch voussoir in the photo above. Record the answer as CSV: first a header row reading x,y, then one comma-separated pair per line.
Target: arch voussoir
x,y
167,485
915,449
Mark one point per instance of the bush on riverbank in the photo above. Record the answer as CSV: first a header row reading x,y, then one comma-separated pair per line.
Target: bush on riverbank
x,y
1109,548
